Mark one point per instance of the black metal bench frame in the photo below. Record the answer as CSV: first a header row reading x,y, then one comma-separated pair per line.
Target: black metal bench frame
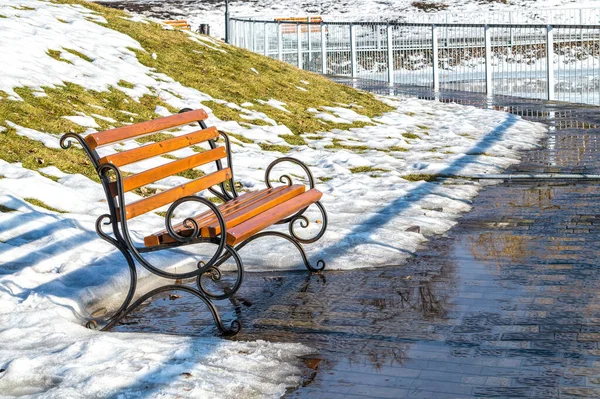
x,y
226,191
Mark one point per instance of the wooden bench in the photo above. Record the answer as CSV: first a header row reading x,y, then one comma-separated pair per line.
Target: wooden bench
x,y
179,24
239,220
304,27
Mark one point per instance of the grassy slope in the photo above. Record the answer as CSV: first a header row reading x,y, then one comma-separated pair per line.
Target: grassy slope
x,y
223,75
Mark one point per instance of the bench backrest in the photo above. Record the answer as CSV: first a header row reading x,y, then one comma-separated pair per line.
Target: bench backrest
x,y
178,23
134,181
291,28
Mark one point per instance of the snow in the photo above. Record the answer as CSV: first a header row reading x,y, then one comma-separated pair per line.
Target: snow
x,y
212,13
54,269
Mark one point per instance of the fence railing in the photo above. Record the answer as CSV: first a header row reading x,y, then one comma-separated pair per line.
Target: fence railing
x,y
554,62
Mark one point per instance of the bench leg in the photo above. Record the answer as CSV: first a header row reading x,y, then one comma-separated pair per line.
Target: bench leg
x,y
314,269
235,325
127,307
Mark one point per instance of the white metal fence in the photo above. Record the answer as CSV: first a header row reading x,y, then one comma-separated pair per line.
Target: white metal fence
x,y
555,62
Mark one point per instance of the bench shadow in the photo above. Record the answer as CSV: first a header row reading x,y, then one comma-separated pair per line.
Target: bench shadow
x,y
381,218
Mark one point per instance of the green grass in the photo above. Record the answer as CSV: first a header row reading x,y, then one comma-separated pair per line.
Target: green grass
x,y
126,84
420,177
365,169
397,148
56,55
155,138
3,16
192,64
293,139
275,147
338,145
218,74
47,176
37,202
411,136
239,137
191,174
80,55
46,114
325,179
5,209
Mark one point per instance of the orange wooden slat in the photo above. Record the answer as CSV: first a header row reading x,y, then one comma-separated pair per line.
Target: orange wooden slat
x,y
162,147
166,197
106,137
252,226
234,212
160,172
253,209
163,237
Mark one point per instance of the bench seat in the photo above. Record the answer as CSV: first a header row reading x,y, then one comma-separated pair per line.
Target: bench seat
x,y
246,215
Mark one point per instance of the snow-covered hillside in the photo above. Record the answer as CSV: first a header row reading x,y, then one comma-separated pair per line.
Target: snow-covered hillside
x,y
53,266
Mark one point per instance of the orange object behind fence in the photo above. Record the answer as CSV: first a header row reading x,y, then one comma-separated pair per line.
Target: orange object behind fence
x,y
179,23
291,28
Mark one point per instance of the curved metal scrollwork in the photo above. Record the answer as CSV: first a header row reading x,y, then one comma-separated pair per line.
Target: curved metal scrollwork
x,y
67,140
304,223
286,179
122,216
190,223
215,275
235,325
130,263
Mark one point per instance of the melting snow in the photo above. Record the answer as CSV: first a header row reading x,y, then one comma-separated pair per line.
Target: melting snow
x,y
53,266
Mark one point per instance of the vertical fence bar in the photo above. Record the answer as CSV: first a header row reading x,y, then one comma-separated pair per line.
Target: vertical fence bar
x,y
510,22
309,37
390,54
323,49
266,40
279,41
550,62
253,36
488,59
299,39
353,50
435,57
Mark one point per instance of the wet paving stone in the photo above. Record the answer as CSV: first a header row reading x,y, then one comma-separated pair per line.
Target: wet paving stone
x,y
506,305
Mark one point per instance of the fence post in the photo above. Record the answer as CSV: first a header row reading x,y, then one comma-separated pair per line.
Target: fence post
x,y
252,37
266,40
353,50
488,59
299,39
280,41
550,62
323,50
308,36
510,22
390,54
435,57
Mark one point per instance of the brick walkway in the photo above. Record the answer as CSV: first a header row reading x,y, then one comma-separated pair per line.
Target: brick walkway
x,y
507,305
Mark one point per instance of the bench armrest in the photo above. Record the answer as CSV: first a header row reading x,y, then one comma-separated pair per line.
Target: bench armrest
x,y
286,179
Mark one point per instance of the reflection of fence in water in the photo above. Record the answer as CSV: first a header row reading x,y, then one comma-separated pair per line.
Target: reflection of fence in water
x,y
499,59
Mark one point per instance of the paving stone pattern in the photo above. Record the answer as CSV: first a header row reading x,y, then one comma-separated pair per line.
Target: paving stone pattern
x,y
506,305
